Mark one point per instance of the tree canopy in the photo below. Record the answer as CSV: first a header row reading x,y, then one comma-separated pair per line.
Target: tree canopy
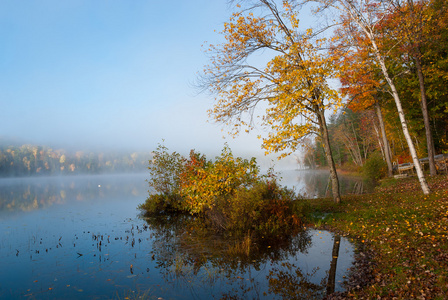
x,y
390,60
290,78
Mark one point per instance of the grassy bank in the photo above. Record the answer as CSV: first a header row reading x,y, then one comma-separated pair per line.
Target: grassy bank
x,y
406,233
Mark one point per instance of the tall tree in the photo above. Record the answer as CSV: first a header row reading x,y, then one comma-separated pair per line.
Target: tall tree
x,y
435,67
360,80
405,23
385,142
292,83
365,16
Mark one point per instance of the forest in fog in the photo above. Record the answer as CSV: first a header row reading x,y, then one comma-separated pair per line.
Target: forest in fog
x,y
32,160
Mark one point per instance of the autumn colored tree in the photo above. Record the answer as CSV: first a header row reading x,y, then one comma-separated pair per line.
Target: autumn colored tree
x,y
360,80
290,78
308,155
434,51
365,16
403,25
355,131
194,184
347,134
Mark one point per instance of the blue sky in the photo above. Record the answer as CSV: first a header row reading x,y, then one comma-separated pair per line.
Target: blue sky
x,y
110,74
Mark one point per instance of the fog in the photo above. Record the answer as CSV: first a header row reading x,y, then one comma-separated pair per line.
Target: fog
x,y
112,75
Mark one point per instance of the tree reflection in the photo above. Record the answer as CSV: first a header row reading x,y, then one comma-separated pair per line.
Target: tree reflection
x,y
334,261
188,254
28,194
317,184
289,282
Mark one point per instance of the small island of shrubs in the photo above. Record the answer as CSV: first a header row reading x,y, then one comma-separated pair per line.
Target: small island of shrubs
x,y
228,193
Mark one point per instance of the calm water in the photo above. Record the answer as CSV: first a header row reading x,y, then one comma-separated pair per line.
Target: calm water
x,y
82,237
316,183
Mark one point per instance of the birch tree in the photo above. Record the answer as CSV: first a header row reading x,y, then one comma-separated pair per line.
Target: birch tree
x,y
361,82
365,16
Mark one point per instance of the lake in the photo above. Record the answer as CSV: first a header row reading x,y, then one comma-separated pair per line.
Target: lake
x,y
316,183
82,237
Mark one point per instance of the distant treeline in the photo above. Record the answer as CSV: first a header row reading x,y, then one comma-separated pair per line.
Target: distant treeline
x,y
32,160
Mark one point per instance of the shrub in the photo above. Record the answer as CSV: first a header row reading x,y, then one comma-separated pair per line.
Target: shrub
x,y
164,170
228,192
203,182
264,209
375,167
157,204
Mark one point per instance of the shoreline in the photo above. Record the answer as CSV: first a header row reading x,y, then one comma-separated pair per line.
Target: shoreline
x,y
401,237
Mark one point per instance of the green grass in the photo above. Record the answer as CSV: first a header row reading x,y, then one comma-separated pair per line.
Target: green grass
x,y
407,231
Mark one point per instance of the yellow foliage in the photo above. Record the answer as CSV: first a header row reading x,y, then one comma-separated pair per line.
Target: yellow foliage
x,y
293,82
202,182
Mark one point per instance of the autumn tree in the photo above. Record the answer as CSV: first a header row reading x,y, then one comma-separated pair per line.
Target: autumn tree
x,y
308,155
435,67
267,59
423,53
360,80
365,16
402,26
355,131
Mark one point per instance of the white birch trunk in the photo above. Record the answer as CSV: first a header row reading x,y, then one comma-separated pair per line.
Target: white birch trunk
x,y
367,27
404,125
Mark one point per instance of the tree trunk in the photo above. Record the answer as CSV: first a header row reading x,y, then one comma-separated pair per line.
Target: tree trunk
x,y
329,156
379,138
350,147
358,153
350,142
404,125
386,149
424,104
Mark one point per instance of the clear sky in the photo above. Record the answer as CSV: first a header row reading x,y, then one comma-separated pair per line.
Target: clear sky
x,y
110,74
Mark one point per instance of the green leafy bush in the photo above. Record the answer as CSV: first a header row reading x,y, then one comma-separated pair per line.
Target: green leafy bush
x,y
375,167
164,170
263,210
161,204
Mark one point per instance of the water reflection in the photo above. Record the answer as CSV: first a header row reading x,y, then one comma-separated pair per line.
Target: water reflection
x,y
80,237
331,283
316,183
191,258
28,194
